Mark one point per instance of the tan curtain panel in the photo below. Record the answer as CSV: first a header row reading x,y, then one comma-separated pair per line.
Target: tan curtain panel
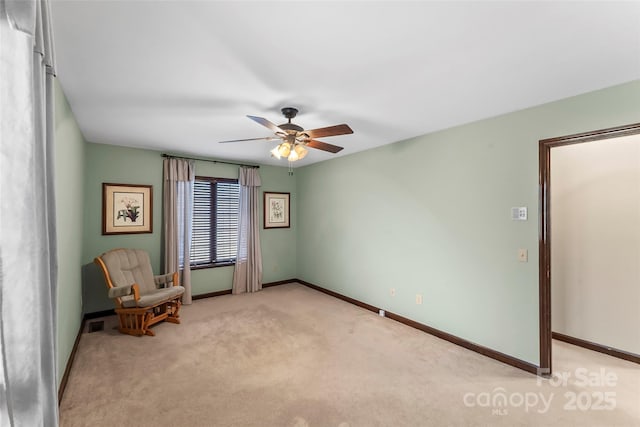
x,y
247,276
179,177
28,249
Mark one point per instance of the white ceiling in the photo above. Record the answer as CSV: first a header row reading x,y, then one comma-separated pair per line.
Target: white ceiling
x,y
179,75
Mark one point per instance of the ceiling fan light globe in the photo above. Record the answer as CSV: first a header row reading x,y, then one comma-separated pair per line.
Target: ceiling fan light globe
x,y
275,153
284,149
300,151
293,156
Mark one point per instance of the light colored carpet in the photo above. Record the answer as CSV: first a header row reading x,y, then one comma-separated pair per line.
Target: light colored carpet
x,y
292,356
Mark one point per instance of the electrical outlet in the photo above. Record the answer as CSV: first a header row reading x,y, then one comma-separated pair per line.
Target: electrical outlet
x,y
392,292
418,299
523,255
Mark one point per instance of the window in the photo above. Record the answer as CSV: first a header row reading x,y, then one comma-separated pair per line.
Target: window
x,y
216,205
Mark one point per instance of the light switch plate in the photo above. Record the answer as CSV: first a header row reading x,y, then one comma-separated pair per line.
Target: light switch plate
x,y
519,213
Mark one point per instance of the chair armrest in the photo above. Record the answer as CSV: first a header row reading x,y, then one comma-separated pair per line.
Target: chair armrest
x,y
163,280
122,291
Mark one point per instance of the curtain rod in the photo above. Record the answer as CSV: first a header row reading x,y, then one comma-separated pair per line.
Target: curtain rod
x,y
209,160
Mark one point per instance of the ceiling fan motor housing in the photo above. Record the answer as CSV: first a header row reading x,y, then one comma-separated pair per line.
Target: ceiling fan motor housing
x,y
291,126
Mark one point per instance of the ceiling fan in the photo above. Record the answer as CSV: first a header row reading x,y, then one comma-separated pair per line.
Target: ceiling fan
x,y
295,139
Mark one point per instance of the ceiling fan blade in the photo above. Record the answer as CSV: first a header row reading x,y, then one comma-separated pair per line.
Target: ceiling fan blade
x,y
323,146
266,123
266,138
329,131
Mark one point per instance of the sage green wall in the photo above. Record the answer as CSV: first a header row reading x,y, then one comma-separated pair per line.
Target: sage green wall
x,y
108,163
279,251
69,179
431,216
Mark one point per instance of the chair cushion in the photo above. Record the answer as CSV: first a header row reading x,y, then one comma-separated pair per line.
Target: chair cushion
x,y
129,266
153,298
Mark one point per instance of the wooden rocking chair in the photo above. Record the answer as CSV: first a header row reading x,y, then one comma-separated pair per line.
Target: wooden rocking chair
x,y
141,298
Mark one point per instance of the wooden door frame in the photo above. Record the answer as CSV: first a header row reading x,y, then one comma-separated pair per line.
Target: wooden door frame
x,y
544,242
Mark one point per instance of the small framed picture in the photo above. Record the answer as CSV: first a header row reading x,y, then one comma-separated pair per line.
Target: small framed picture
x,y
276,210
127,209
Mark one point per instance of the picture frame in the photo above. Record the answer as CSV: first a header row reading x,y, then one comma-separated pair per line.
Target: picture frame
x,y
127,208
277,210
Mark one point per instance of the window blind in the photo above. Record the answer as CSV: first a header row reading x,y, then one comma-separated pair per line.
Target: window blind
x,y
216,205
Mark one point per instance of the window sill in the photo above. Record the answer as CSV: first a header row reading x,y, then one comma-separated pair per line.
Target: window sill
x,y
212,265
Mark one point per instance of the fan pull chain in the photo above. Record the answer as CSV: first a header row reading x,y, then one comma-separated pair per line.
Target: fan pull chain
x,y
290,168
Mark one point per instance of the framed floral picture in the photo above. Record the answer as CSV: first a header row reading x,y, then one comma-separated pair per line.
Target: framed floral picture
x,y
127,209
276,210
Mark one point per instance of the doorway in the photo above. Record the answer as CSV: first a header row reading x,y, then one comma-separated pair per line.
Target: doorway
x,y
544,244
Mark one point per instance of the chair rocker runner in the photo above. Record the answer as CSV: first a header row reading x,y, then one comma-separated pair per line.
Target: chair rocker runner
x,y
141,298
